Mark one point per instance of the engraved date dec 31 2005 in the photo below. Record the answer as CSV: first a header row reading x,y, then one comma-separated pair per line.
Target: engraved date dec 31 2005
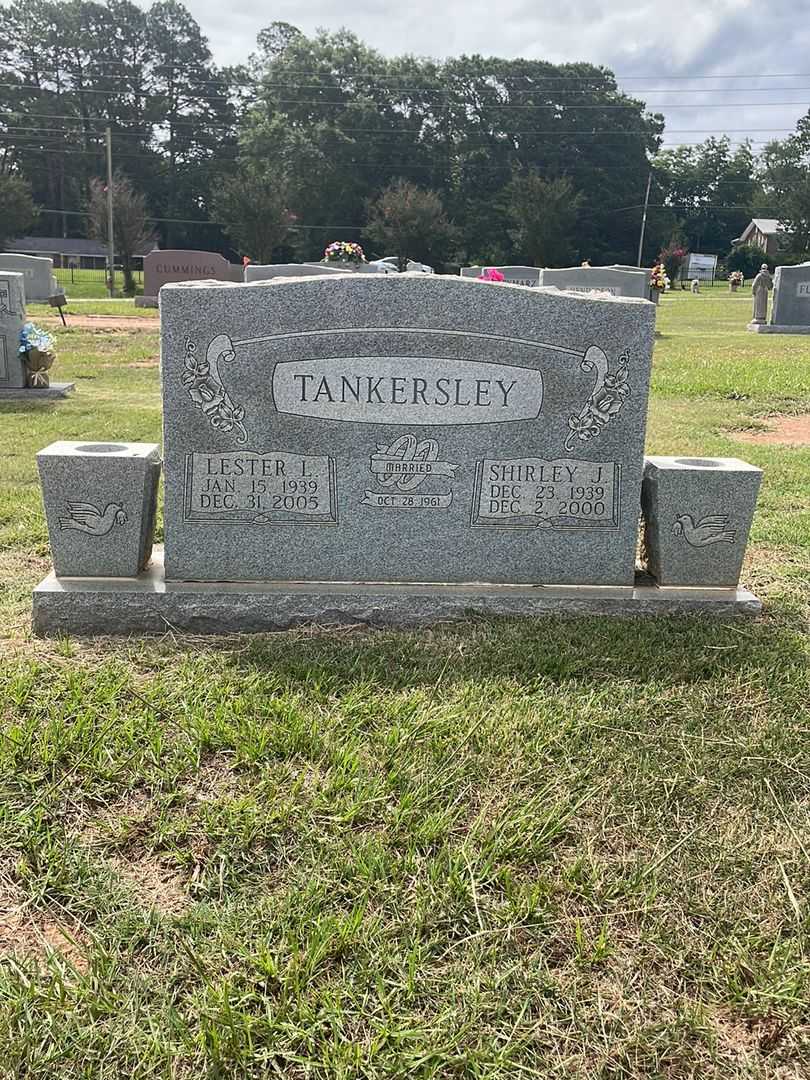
x,y
531,493
277,488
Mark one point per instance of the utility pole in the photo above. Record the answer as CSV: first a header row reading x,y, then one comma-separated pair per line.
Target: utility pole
x,y
644,219
110,239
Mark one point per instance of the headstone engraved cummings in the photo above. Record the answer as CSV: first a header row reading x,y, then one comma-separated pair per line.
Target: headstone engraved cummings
x,y
12,317
175,264
393,428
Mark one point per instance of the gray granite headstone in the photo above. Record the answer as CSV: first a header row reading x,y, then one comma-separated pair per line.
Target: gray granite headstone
x,y
791,296
267,271
528,276
12,318
176,264
697,516
513,275
594,279
100,502
411,428
37,271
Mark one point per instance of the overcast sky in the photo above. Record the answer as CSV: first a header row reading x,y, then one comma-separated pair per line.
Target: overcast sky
x,y
642,40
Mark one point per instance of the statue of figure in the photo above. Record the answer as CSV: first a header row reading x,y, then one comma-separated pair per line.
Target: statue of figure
x,y
763,283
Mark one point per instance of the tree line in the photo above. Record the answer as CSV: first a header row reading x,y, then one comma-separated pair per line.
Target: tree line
x,y
319,138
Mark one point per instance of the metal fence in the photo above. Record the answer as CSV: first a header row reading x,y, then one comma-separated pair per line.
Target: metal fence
x,y
69,275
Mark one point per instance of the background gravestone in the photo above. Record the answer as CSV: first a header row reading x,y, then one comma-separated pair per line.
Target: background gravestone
x,y
402,428
513,275
267,271
174,264
633,283
12,318
791,296
37,272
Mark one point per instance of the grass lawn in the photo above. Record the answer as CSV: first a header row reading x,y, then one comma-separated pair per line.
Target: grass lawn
x,y
563,848
86,284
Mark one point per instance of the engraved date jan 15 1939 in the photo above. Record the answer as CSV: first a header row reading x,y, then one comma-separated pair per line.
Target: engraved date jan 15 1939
x,y
277,488
532,493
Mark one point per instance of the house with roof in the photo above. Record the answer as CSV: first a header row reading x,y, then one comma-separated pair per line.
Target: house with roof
x,y
764,233
67,251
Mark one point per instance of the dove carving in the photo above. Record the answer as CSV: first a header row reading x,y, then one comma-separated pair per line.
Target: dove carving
x,y
709,530
87,518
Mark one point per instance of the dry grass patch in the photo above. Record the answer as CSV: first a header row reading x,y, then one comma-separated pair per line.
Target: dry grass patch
x,y
153,882
215,779
29,935
785,431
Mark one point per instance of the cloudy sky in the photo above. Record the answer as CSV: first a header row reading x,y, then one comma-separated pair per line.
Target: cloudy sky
x,y
646,42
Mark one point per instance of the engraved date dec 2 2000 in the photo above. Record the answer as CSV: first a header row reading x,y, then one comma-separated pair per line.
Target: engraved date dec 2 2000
x,y
533,493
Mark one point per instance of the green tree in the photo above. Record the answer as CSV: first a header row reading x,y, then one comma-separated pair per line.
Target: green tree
x,y
544,214
131,231
16,208
747,258
710,189
786,181
673,256
408,221
253,205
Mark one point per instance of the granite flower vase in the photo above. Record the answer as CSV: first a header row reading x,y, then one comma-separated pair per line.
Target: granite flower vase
x,y
697,513
100,503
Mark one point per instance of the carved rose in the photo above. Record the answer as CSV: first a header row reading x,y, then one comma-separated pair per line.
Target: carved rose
x,y
617,383
583,426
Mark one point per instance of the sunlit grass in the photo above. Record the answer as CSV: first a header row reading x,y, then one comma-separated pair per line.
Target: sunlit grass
x,y
562,848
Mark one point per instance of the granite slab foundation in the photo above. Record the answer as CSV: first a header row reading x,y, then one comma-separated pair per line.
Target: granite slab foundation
x,y
148,604
770,328
37,395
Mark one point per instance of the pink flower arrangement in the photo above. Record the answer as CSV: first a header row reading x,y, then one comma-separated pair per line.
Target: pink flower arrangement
x,y
489,273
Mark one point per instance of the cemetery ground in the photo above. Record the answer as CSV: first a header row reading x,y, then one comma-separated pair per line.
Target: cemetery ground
x,y
567,847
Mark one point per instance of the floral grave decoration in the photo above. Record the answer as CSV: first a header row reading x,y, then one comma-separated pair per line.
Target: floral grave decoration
x,y
39,349
736,279
658,277
489,273
611,390
344,251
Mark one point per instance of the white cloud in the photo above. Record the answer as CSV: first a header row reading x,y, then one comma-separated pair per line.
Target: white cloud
x,y
634,37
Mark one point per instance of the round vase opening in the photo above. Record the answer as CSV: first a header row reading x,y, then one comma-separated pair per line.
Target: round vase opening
x,y
698,462
101,448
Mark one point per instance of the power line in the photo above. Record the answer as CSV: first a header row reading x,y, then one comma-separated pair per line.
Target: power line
x,y
462,142
494,73
444,164
264,84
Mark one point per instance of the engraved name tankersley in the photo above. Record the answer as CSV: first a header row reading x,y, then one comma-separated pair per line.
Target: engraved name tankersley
x,y
401,390
407,389
411,389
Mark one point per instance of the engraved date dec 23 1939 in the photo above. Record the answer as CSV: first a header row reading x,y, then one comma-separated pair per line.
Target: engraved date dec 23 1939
x,y
531,493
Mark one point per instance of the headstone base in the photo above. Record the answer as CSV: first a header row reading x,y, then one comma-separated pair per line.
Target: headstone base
x,y
41,393
146,301
771,328
88,607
